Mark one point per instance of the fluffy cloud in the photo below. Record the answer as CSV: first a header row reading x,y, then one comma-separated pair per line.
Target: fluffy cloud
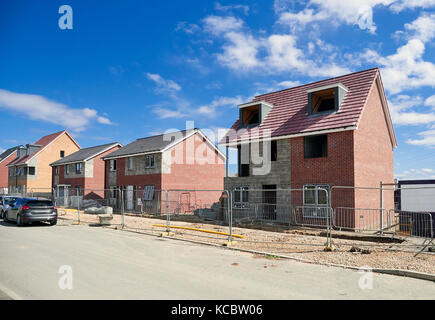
x,y
243,8
406,68
401,5
430,101
218,25
210,109
275,54
402,110
38,107
356,12
164,86
337,12
427,139
423,173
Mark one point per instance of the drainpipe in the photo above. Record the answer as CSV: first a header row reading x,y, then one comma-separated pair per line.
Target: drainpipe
x,y
381,200
226,158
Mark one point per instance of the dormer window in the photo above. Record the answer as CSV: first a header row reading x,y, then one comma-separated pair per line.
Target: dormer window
x,y
326,99
253,113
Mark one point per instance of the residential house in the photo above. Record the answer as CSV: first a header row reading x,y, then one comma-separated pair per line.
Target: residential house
x,y
5,158
81,174
185,160
334,132
30,171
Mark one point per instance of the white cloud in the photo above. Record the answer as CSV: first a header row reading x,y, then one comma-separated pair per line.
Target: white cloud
x,y
210,109
284,55
38,107
356,12
232,7
240,52
423,27
403,113
189,28
405,69
218,25
401,5
427,139
185,109
411,174
430,101
165,113
164,86
277,53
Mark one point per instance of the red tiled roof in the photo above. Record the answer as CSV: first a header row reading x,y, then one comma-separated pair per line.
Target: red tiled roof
x,y
43,142
289,113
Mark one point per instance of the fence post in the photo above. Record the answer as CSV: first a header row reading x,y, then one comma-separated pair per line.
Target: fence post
x,y
78,206
168,222
381,211
230,223
122,207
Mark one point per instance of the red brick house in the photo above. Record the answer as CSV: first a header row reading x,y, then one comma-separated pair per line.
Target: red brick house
x,y
180,160
82,172
335,132
5,158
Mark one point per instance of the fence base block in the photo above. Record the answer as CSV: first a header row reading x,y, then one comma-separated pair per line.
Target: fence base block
x,y
329,248
229,243
167,234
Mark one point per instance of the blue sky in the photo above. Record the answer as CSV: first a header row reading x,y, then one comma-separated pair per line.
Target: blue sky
x,y
130,69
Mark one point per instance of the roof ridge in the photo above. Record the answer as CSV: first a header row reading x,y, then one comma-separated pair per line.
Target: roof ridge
x,y
101,145
309,83
162,134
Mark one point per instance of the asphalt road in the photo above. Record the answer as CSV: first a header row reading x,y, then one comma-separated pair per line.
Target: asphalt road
x,y
112,264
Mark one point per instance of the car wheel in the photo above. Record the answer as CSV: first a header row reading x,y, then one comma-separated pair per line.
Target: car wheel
x,y
5,216
19,222
53,222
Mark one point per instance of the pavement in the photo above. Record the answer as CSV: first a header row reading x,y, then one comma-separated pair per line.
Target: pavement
x,y
82,262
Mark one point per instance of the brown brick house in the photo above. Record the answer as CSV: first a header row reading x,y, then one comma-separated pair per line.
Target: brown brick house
x,y
82,172
170,161
335,132
30,170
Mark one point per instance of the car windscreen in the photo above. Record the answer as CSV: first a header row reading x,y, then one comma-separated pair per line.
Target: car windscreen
x,y
39,203
8,201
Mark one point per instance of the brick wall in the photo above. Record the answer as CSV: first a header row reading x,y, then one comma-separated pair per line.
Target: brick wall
x,y
184,173
373,155
194,174
4,171
337,169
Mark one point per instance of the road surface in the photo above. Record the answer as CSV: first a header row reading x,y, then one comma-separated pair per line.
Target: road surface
x,y
82,262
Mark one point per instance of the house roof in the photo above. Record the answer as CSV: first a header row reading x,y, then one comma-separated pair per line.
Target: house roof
x,y
8,153
43,143
155,144
85,154
289,117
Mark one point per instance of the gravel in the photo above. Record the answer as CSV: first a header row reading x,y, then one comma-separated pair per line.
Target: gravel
x,y
307,244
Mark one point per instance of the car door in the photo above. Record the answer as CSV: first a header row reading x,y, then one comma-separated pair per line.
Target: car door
x,y
13,210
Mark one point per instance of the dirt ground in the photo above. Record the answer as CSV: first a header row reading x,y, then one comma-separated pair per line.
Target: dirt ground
x,y
302,243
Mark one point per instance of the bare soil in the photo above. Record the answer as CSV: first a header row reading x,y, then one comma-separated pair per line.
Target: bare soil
x,y
302,243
